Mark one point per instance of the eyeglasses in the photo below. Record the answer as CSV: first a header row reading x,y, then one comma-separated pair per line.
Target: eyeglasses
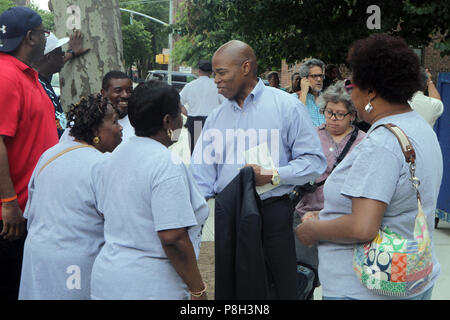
x,y
348,86
317,76
46,32
337,115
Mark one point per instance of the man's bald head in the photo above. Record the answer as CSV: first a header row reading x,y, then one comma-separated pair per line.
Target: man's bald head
x,y
234,65
237,52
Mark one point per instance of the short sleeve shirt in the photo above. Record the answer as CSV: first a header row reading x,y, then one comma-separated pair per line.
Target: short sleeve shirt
x,y
376,169
142,189
27,121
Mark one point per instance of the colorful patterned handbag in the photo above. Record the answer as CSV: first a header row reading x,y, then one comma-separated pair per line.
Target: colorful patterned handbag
x,y
390,264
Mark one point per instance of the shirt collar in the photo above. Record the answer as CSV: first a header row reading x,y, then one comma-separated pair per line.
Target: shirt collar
x,y
44,79
255,93
19,64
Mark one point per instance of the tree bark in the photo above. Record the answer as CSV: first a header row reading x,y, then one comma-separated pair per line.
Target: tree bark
x,y
99,21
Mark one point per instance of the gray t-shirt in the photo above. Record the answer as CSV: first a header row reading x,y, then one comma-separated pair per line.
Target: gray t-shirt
x,y
141,189
376,169
65,231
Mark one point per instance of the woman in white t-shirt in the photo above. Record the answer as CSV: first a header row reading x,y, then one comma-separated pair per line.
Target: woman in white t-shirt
x,y
371,186
154,212
65,231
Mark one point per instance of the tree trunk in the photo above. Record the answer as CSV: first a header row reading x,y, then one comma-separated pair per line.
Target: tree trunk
x,y
99,21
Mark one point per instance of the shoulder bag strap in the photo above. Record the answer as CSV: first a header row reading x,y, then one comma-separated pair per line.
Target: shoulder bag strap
x,y
63,152
347,147
408,152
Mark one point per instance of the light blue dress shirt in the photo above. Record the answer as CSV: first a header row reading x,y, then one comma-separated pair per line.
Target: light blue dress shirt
x,y
314,110
269,116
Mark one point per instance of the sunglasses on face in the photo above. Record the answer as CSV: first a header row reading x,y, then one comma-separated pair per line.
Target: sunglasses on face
x,y
348,85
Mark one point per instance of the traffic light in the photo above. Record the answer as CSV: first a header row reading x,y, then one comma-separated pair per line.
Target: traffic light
x,y
162,58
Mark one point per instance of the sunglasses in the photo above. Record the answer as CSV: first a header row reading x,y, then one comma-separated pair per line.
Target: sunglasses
x,y
348,86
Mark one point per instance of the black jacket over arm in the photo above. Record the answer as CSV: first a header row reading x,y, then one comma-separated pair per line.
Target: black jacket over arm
x,y
240,271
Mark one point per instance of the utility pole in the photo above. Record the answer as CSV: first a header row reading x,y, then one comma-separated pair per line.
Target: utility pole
x,y
170,66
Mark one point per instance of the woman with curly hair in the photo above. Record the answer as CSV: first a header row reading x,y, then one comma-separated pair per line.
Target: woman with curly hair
x,y
65,231
371,187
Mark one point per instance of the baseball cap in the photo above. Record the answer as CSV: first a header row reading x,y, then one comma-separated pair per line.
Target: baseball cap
x,y
14,25
205,65
53,42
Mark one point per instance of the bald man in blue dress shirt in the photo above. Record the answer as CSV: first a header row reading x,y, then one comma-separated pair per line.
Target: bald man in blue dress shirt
x,y
256,115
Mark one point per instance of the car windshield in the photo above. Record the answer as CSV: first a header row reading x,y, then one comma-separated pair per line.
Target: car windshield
x,y
175,77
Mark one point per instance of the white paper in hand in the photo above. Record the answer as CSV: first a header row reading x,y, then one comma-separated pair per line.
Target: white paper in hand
x,y
260,155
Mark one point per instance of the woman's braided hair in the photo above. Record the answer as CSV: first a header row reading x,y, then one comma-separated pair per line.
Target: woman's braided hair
x,y
85,116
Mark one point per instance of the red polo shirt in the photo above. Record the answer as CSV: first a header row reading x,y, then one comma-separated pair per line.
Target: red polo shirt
x,y
27,121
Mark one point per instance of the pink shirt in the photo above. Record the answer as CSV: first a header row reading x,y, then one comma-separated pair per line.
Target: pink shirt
x,y
314,201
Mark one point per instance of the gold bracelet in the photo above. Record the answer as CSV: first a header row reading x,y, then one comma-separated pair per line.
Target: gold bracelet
x,y
200,293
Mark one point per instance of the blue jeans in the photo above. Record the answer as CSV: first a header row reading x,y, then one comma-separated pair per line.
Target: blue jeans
x,y
423,296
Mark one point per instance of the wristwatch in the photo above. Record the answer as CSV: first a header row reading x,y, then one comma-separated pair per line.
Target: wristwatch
x,y
72,52
275,178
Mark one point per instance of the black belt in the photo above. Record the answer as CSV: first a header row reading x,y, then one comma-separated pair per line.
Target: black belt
x,y
271,200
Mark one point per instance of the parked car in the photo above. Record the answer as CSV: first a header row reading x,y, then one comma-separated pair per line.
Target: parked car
x,y
179,79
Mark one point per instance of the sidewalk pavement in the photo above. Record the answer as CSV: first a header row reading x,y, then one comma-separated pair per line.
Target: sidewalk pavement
x,y
441,235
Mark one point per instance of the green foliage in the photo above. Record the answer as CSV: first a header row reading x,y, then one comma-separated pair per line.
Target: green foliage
x,y
136,43
144,41
5,4
295,29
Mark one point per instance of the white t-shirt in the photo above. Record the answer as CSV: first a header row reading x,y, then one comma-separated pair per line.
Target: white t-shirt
x,y
201,96
65,231
377,169
141,189
429,108
127,128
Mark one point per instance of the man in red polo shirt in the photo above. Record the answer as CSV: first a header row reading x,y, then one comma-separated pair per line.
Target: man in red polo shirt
x,y
27,129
